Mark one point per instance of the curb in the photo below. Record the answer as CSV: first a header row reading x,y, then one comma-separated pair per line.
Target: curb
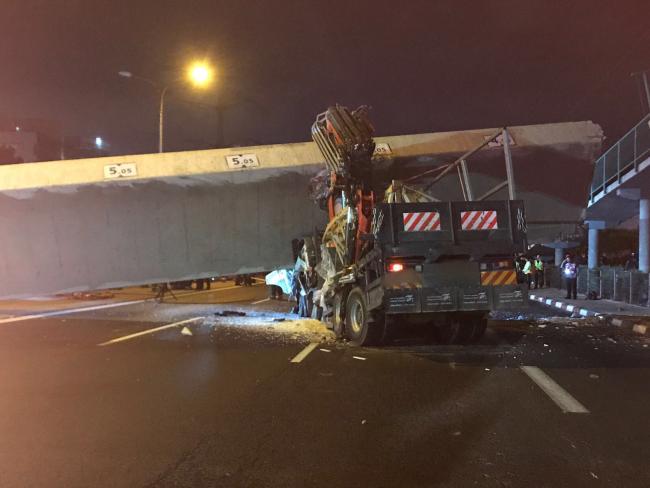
x,y
630,322
567,307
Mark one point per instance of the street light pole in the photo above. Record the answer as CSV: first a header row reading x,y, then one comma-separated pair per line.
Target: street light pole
x,y
200,75
644,77
161,119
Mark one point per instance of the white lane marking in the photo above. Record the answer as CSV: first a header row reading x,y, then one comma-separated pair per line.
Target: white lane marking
x,y
150,331
305,352
69,310
209,291
261,301
325,350
559,395
101,307
359,358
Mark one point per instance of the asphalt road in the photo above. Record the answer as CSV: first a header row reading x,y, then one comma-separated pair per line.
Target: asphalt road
x,y
225,406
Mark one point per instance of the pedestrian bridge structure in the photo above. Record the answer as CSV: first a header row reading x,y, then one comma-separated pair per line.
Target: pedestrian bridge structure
x,y
620,192
126,220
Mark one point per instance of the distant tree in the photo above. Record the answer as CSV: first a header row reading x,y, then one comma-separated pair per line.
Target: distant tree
x,y
8,155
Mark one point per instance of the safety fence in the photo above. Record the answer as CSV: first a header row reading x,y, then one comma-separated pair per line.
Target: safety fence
x,y
622,157
612,283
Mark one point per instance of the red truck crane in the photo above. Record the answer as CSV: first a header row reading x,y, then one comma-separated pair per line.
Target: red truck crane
x,y
404,255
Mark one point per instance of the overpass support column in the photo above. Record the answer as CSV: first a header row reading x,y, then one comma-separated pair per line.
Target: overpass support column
x,y
644,235
592,244
559,255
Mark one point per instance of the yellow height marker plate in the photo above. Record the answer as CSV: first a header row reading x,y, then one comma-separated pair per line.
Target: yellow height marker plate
x,y
495,278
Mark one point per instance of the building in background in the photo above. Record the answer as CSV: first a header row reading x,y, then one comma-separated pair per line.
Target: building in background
x,y
28,140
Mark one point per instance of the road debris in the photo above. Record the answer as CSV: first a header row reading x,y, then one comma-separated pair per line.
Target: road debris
x,y
324,350
594,376
186,332
363,422
593,475
230,313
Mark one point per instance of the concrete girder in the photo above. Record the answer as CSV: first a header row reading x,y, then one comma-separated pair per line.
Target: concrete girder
x,y
64,227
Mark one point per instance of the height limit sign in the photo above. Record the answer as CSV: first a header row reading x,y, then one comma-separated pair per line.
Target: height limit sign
x,y
242,161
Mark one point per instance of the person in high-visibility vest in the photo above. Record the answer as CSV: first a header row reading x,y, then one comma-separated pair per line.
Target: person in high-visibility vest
x,y
538,264
528,270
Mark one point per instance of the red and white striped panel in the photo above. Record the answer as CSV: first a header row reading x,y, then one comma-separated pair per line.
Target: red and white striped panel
x,y
478,220
421,221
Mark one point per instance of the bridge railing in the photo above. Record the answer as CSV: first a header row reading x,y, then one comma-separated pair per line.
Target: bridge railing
x,y
622,157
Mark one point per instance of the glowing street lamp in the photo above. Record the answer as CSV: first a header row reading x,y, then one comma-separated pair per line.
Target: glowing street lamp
x,y
200,74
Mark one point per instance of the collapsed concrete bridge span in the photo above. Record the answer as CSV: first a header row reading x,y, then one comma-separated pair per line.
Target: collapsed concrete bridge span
x,y
115,221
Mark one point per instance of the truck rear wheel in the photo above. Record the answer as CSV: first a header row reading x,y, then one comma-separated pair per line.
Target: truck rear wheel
x,y
338,320
480,324
448,331
359,330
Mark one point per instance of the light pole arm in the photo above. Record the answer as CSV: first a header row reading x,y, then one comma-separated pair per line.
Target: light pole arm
x,y
161,118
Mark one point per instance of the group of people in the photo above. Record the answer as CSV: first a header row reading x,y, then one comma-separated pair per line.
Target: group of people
x,y
628,260
530,271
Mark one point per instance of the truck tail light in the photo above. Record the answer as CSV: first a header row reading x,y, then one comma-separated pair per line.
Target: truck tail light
x,y
395,267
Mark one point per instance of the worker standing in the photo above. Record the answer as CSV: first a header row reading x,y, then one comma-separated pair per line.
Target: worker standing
x,y
528,271
538,264
569,270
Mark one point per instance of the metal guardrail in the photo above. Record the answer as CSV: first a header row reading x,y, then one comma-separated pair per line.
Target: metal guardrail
x,y
609,282
622,157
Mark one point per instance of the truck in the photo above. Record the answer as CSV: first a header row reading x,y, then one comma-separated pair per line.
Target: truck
x,y
407,256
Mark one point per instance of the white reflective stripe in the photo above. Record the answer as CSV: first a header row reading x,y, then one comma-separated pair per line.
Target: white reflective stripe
x,y
492,218
421,221
409,221
424,216
478,222
435,222
428,220
478,219
466,219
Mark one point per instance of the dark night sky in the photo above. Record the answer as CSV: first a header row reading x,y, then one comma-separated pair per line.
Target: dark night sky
x,y
422,65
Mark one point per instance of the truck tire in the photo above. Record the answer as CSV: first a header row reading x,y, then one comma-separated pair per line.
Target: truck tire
x,y
338,319
359,330
480,324
449,331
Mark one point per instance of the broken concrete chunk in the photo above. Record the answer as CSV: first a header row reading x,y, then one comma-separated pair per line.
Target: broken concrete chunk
x,y
230,313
